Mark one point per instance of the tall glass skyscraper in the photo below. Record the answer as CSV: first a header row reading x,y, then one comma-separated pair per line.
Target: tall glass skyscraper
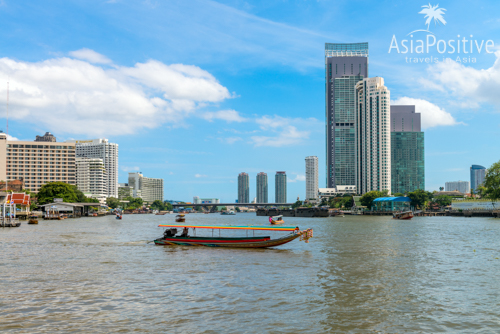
x,y
407,150
280,187
243,188
262,188
477,175
345,65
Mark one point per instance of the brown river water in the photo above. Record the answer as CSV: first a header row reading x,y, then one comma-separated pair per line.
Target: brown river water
x,y
358,274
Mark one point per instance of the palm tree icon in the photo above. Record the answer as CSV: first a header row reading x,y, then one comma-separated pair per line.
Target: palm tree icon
x,y
432,13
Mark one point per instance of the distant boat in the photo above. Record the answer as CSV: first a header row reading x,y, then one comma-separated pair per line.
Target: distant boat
x,y
33,219
180,218
231,213
276,220
402,215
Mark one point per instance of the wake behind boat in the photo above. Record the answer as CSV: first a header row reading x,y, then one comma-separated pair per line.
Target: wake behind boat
x,y
170,236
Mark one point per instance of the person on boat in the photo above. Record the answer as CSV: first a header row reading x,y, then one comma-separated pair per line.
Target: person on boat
x,y
185,232
271,219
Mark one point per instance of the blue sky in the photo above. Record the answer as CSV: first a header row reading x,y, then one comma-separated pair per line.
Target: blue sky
x,y
196,92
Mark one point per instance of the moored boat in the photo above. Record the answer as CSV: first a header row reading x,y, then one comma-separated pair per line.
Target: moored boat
x,y
229,213
402,215
170,236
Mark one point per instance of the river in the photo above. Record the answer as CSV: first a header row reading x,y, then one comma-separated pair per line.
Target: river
x,y
358,274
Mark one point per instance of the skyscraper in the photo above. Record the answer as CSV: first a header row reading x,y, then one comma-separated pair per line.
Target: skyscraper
x,y
311,177
262,188
477,175
108,152
407,150
373,140
345,65
243,188
280,187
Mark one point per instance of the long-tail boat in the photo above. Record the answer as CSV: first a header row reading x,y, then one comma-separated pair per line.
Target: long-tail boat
x,y
184,239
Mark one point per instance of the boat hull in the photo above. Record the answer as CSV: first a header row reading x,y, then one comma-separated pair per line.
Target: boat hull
x,y
251,242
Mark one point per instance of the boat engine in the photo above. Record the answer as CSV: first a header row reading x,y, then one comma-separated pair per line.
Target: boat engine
x,y
170,232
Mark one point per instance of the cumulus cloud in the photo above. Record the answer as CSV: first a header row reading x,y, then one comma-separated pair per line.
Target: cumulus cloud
x,y
283,131
75,96
465,82
91,56
431,114
225,115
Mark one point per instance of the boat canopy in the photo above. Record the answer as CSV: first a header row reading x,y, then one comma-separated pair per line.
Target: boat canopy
x,y
228,227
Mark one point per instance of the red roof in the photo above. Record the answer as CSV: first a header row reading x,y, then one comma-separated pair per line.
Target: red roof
x,y
19,198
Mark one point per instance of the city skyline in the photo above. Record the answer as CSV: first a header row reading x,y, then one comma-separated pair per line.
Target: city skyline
x,y
261,100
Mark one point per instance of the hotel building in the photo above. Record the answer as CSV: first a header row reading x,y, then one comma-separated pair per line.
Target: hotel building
x,y
37,162
373,137
149,189
91,178
312,177
108,152
462,186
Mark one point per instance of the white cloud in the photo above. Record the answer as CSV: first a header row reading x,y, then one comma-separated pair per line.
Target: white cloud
x,y
73,96
283,131
297,178
230,140
199,175
431,114
91,56
130,169
9,137
467,83
225,115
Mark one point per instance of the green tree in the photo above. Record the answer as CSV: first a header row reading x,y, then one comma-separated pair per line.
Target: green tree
x,y
237,209
419,197
297,204
168,206
398,194
492,182
348,202
367,199
112,202
158,205
443,200
69,193
134,203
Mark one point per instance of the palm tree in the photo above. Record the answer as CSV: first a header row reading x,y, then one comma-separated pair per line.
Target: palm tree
x,y
433,13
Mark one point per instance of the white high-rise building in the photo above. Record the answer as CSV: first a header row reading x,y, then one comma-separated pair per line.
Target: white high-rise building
x,y
373,137
108,152
462,186
91,178
311,177
148,189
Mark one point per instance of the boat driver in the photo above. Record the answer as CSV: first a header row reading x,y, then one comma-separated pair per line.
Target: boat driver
x,y
185,232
